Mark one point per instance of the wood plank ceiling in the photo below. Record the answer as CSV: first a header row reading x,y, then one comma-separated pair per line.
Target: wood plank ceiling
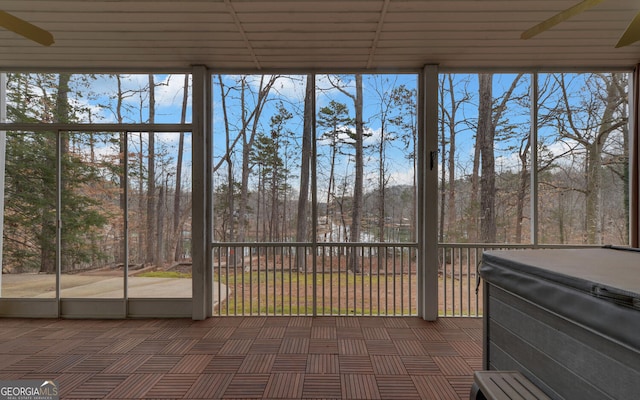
x,y
316,35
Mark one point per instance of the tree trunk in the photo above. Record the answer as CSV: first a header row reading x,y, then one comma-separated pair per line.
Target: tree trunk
x,y
486,134
359,177
522,188
177,226
453,228
48,231
151,180
303,197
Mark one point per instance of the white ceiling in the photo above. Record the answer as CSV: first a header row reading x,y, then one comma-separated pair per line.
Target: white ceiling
x,y
322,35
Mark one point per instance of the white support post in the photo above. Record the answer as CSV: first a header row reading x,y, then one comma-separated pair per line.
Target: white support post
x,y
201,277
428,195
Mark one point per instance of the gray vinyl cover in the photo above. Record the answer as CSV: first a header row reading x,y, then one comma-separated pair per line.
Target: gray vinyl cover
x,y
598,288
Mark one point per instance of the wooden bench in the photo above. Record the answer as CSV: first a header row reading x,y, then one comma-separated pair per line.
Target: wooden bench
x,y
504,385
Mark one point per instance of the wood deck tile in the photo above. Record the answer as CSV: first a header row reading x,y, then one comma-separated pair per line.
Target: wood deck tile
x,y
428,334
349,333
439,349
257,364
94,364
207,346
191,364
396,387
246,357
323,364
321,386
352,347
272,332
209,386
172,386
323,332
323,346
375,333
435,387
284,386
235,346
388,365
246,333
294,346
266,346
159,363
290,363
298,332
453,366
409,347
247,386
135,386
460,384
418,365
348,322
359,386
127,364
220,332
98,386
381,347
401,334
224,364
355,364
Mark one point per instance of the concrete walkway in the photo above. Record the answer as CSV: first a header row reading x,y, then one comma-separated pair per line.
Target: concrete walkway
x,y
98,286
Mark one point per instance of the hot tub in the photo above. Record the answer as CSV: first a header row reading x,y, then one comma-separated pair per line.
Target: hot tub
x,y
568,319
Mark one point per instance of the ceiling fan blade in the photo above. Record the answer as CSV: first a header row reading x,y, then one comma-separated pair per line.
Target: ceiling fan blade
x,y
26,29
632,34
560,17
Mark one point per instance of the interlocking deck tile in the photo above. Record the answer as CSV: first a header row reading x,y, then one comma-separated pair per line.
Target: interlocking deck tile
x,y
355,364
98,386
266,346
159,363
191,364
294,346
375,334
323,346
135,386
409,347
396,387
209,386
127,364
272,332
247,386
323,364
224,364
381,347
434,387
352,347
172,386
388,365
321,386
285,386
359,386
439,349
257,364
453,366
207,346
246,357
417,365
234,346
290,363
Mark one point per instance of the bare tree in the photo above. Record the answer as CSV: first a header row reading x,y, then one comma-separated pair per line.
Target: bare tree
x,y
303,196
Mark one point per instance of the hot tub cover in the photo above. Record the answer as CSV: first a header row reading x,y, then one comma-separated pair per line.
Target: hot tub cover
x,y
598,288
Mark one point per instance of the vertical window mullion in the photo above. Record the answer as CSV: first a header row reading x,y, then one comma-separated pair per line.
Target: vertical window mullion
x,y
533,198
